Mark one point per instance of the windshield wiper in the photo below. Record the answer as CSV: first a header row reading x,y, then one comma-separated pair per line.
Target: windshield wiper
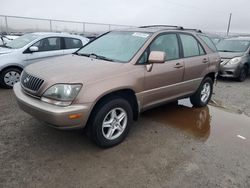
x,y
225,51
4,46
93,55
86,55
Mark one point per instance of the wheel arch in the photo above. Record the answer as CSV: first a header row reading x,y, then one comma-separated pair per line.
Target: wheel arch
x,y
210,75
11,66
127,94
247,65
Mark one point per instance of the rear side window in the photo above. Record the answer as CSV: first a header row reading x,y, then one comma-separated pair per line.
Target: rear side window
x,y
71,43
191,47
167,43
208,42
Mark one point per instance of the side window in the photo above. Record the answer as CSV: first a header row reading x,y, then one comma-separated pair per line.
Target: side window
x,y
202,52
71,43
48,44
144,58
191,47
209,42
167,43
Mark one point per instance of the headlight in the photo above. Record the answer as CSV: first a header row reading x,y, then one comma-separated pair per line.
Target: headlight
x,y
61,94
234,61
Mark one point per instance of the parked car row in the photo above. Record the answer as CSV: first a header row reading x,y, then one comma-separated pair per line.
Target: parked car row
x,y
103,85
31,48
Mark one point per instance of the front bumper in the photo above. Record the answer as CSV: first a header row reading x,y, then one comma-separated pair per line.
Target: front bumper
x,y
229,71
55,115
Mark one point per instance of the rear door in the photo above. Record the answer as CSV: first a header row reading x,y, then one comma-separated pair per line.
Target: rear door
x,y
196,62
47,48
71,45
162,82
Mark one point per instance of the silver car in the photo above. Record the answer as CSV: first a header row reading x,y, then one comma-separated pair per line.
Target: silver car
x,y
235,57
33,47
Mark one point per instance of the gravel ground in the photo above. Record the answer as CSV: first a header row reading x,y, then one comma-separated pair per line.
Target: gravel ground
x,y
233,95
171,146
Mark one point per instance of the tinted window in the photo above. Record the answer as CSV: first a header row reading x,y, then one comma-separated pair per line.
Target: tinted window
x,y
48,44
71,43
167,43
208,42
190,46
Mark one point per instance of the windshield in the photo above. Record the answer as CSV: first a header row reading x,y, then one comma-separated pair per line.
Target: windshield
x,y
21,41
117,46
233,45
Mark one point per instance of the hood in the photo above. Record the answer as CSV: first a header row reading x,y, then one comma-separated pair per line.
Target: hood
x,y
75,69
5,50
230,55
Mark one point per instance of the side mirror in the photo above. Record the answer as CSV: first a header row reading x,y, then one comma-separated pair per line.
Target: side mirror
x,y
157,57
33,49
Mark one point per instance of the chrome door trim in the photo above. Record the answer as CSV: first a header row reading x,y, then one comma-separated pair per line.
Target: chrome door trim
x,y
164,87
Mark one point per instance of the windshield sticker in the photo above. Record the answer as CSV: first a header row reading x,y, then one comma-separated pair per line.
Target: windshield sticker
x,y
143,35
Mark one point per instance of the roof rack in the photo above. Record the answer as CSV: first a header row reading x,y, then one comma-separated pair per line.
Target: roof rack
x,y
171,26
148,26
197,30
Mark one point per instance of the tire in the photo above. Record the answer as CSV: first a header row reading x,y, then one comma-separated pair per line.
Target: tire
x,y
203,95
9,77
101,133
243,74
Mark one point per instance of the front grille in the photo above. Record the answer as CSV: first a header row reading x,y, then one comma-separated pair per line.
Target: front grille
x,y
31,82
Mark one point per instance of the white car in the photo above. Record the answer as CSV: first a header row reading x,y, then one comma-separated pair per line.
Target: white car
x,y
33,47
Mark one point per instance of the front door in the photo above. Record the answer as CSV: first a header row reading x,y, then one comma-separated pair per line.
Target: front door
x,y
162,82
47,48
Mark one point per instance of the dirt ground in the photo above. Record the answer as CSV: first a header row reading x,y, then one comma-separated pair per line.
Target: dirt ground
x,y
171,146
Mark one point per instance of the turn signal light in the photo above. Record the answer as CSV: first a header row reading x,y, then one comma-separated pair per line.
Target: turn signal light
x,y
74,116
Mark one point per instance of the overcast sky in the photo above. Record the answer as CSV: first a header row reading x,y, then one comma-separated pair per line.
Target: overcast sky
x,y
203,14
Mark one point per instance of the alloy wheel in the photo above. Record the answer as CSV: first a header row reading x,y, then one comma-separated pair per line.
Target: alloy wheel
x,y
114,123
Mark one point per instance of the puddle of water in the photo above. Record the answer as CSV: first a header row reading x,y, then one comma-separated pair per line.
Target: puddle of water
x,y
203,123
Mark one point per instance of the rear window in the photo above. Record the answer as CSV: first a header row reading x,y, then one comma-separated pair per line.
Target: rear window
x,y
71,43
208,42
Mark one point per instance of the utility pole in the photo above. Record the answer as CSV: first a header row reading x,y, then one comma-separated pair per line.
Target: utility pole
x,y
229,24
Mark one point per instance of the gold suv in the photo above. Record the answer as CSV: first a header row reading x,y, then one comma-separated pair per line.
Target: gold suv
x,y
107,83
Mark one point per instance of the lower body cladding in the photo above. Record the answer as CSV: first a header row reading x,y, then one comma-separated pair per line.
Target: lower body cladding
x,y
70,117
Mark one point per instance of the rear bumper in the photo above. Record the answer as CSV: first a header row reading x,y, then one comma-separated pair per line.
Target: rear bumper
x,y
55,115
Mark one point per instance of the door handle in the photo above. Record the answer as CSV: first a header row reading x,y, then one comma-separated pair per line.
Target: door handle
x,y
205,60
178,66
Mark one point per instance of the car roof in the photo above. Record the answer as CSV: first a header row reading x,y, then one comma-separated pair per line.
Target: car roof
x,y
44,34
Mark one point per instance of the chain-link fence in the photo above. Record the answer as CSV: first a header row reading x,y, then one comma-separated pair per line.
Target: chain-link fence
x,y
16,24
